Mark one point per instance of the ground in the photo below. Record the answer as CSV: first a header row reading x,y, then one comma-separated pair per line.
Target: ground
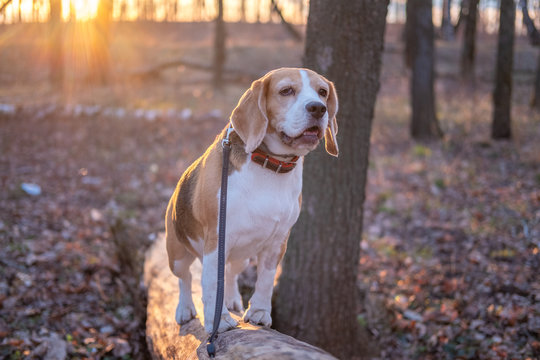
x,y
450,249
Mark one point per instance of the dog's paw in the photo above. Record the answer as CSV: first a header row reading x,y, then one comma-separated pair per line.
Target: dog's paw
x,y
185,313
235,304
258,317
226,323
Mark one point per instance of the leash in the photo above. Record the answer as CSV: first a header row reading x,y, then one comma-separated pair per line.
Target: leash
x,y
226,145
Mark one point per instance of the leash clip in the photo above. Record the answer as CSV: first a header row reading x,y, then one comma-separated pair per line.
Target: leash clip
x,y
226,142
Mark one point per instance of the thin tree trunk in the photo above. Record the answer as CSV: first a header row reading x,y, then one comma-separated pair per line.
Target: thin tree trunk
x,y
408,34
72,12
469,42
258,11
34,11
462,15
101,58
532,32
19,15
219,47
534,38
535,100
317,295
56,47
424,124
243,10
447,29
502,95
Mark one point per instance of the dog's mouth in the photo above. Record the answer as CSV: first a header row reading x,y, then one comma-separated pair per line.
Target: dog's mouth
x,y
309,136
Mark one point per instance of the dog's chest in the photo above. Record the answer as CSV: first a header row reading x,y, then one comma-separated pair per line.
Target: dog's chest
x,y
262,207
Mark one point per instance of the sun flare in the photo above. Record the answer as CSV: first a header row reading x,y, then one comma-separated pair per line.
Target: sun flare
x,y
84,9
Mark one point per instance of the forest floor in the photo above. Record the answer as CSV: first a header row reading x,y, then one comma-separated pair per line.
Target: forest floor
x,y
451,242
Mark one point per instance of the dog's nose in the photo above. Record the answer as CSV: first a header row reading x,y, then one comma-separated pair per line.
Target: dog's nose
x,y
316,109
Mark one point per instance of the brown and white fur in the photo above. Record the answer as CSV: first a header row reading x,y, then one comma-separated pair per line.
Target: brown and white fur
x,y
285,113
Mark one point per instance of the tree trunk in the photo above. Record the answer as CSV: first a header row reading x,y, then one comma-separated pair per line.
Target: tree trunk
x,y
408,35
258,11
424,124
56,45
219,47
532,32
100,58
243,10
534,38
502,95
72,12
19,15
469,42
34,11
535,100
447,29
317,295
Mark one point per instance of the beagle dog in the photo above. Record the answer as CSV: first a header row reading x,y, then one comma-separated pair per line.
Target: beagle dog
x,y
280,119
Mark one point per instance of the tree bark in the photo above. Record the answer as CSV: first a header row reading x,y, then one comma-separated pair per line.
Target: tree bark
x,y
424,123
447,29
317,295
502,95
56,44
469,42
219,47
166,341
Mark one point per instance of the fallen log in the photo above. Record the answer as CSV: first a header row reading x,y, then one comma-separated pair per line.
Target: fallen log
x,y
167,340
230,75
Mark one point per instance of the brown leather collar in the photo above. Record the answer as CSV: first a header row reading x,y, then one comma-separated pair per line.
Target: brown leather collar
x,y
266,161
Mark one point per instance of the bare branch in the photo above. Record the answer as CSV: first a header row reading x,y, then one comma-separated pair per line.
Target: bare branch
x,y
4,5
294,33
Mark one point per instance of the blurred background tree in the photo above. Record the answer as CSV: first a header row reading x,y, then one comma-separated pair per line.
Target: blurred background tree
x,y
470,12
420,48
502,95
56,51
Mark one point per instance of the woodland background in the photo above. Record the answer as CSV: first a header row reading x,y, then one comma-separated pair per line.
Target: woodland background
x,y
103,105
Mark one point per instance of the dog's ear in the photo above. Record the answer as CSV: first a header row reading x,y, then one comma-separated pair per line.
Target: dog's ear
x,y
330,141
249,118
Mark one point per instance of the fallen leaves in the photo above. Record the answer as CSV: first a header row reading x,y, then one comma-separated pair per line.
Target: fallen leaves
x,y
451,247
71,252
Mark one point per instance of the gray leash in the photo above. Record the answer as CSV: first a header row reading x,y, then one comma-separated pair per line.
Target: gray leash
x,y
226,145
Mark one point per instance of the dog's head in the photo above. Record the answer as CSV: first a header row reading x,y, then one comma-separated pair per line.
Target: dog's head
x,y
290,110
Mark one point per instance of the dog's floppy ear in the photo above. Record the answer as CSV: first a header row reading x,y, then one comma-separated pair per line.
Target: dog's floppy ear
x,y
249,118
330,140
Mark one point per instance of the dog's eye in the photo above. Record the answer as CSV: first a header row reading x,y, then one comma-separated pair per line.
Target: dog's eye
x,y
323,92
286,91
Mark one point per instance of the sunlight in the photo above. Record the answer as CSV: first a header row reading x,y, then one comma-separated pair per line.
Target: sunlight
x,y
84,9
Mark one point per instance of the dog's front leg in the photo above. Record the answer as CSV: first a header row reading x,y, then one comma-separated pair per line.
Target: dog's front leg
x,y
209,287
260,304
